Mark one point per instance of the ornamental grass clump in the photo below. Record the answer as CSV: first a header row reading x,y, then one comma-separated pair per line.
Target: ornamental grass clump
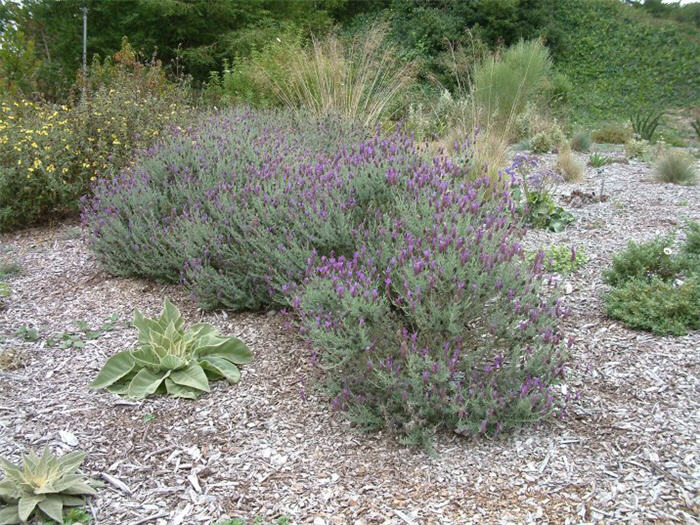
x,y
436,320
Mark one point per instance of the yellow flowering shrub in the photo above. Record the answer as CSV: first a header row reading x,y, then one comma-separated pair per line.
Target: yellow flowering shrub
x,y
50,154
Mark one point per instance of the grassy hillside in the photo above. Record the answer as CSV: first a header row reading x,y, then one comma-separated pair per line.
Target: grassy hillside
x,y
621,59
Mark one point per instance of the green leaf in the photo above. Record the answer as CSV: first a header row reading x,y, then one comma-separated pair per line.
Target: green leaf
x,y
224,367
172,362
26,505
171,315
199,330
9,516
145,382
80,487
72,501
146,356
114,369
227,347
11,471
144,326
70,462
176,390
192,376
52,506
8,490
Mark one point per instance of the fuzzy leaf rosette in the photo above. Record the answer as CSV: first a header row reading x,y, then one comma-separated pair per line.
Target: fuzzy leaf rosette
x,y
44,483
171,359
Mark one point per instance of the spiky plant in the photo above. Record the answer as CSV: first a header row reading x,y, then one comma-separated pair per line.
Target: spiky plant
x,y
171,359
44,484
696,126
645,124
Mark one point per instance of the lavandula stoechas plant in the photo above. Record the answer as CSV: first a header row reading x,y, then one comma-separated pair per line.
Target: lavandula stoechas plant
x,y
408,280
435,320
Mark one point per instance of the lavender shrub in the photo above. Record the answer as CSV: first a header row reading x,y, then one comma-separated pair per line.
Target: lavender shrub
x,y
408,281
236,207
436,320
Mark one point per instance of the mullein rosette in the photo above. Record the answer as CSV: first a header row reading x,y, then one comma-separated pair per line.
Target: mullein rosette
x,y
173,360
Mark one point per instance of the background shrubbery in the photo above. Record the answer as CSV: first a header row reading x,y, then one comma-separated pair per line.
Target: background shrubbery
x,y
50,154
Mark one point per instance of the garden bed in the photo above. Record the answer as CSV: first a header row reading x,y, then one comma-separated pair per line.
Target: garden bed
x,y
271,447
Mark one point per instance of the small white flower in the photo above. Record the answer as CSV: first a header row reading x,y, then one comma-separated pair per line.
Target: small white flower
x,y
668,251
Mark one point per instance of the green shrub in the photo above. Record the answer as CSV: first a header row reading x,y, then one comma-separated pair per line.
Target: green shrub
x,y
676,167
50,155
547,140
560,88
581,142
656,287
653,257
172,360
502,86
656,305
612,133
691,246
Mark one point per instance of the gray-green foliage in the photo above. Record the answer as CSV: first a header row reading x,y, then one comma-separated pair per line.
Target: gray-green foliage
x,y
676,167
581,141
171,359
44,484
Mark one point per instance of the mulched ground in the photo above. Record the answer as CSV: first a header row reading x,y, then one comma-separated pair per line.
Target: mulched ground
x,y
270,447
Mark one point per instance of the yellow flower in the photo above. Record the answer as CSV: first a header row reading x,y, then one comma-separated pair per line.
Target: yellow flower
x,y
116,142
